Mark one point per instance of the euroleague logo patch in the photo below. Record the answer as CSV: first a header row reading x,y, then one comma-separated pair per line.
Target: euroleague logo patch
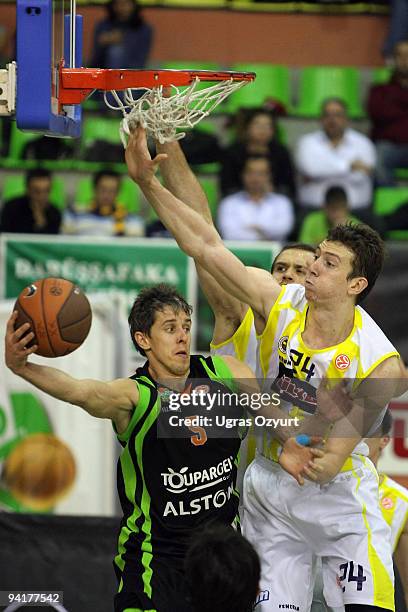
x,y
387,503
282,344
342,362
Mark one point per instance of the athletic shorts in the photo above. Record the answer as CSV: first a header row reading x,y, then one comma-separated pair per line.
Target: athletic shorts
x,y
341,522
165,590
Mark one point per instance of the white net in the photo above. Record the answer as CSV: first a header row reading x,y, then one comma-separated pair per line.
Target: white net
x,y
166,116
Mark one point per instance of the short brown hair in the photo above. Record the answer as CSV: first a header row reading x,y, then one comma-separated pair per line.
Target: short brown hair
x,y
149,301
368,249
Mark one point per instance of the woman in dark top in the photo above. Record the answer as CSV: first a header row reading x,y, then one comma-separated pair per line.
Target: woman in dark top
x,y
123,39
258,138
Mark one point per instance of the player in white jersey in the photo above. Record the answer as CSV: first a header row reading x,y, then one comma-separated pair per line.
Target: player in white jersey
x,y
394,506
337,519
289,266
234,330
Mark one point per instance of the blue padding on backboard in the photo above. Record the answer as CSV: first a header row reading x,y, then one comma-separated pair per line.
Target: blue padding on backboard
x,y
34,109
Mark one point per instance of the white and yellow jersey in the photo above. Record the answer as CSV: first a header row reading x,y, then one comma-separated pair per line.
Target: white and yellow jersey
x,y
288,365
242,345
394,506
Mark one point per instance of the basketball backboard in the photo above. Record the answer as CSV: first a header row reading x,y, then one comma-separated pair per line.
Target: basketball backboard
x,y
47,84
49,34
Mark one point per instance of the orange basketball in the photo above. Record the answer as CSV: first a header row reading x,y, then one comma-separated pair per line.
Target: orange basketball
x,y
39,471
59,313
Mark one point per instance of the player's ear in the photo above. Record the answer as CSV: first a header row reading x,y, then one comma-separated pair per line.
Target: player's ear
x,y
142,340
357,285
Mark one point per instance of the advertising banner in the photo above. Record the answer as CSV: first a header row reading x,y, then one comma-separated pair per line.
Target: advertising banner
x,y
95,264
54,457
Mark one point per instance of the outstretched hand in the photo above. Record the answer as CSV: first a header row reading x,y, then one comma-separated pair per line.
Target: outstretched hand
x,y
141,166
297,459
16,342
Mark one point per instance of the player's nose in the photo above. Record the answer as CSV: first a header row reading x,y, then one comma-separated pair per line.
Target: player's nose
x,y
182,335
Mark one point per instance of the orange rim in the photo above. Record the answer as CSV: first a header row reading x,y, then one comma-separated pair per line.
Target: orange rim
x,y
76,84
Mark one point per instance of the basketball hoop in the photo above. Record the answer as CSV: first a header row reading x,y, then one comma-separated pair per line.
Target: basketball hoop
x,y
146,100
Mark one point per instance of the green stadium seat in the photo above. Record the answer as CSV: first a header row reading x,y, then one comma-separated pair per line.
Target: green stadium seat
x,y
14,186
381,75
320,82
190,65
100,128
271,82
397,235
129,194
388,199
402,174
18,141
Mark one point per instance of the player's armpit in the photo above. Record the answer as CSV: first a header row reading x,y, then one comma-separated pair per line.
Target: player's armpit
x,y
228,311
249,285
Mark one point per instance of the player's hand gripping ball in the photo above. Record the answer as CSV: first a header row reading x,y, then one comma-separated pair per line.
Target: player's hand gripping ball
x,y
59,314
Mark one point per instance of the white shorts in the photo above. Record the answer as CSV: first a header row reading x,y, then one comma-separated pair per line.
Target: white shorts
x,y
340,522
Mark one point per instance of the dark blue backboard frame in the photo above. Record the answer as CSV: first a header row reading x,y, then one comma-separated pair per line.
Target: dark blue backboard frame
x,y
34,108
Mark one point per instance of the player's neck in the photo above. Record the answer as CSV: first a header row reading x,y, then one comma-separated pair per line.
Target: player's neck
x,y
162,375
327,326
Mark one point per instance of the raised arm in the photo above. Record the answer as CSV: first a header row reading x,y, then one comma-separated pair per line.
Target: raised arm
x,y
195,236
107,400
181,181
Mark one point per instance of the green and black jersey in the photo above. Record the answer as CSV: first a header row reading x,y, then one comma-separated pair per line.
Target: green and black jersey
x,y
169,486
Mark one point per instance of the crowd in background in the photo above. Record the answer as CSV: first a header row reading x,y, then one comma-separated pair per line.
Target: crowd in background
x,y
266,191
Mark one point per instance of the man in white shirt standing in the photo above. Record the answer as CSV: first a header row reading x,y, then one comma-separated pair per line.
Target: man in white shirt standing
x,y
335,155
256,213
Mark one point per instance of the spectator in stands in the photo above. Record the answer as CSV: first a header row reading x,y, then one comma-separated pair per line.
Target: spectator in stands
x,y
222,571
257,137
48,148
335,155
388,110
398,27
123,39
256,213
335,212
32,213
105,215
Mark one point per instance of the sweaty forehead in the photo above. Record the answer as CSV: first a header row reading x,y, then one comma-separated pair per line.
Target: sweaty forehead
x,y
168,312
337,248
295,257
